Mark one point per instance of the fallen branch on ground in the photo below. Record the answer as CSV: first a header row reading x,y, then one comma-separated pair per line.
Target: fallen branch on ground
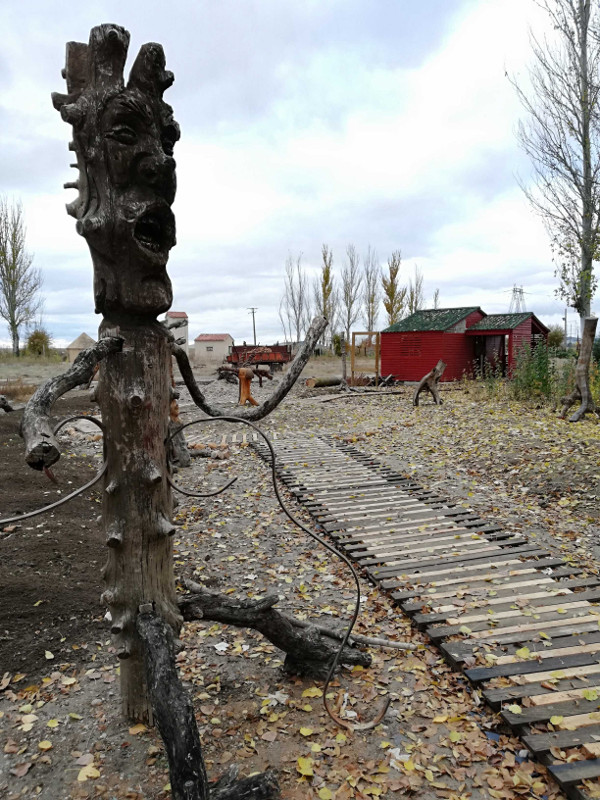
x,y
309,650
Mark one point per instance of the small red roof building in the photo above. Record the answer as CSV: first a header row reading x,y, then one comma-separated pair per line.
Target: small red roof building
x,y
177,314
213,337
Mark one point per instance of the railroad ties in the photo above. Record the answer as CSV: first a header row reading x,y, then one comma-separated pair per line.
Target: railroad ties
x,y
521,623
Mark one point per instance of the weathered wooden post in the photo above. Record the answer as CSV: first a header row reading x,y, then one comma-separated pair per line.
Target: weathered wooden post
x,y
123,138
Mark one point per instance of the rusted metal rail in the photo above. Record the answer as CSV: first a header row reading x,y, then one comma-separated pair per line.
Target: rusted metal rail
x,y
521,623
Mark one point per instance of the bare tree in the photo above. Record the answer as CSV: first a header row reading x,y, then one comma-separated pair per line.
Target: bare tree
x,y
393,294
294,309
415,298
436,299
324,291
372,288
561,135
351,289
20,282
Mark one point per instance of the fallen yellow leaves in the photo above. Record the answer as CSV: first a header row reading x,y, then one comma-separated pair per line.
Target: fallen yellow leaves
x,y
305,767
89,772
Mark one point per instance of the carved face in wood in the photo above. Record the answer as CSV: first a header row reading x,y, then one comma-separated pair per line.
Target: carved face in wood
x,y
124,138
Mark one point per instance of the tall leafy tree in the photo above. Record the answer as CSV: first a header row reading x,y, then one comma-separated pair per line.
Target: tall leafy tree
x,y
394,295
324,290
371,289
20,281
351,289
561,136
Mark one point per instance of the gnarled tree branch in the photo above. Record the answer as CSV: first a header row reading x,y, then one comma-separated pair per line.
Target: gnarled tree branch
x,y
312,337
40,445
308,651
176,722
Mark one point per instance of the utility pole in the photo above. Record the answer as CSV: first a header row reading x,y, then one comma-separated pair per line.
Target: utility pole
x,y
565,321
253,312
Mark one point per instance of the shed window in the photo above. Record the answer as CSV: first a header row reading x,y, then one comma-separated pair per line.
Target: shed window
x,y
209,349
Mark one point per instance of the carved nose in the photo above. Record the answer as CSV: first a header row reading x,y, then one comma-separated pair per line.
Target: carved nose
x,y
157,169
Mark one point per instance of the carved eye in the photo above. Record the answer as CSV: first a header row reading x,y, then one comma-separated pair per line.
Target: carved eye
x,y
123,134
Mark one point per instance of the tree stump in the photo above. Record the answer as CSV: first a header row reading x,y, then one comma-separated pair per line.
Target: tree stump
x,y
581,394
245,376
429,383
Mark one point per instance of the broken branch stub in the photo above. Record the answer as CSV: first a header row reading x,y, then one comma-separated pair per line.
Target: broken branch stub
x,y
40,444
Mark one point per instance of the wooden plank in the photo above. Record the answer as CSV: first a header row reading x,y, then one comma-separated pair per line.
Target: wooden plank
x,y
529,716
482,674
570,642
539,611
389,575
540,743
575,772
439,544
508,694
519,633
504,586
437,576
555,590
575,693
565,674
453,550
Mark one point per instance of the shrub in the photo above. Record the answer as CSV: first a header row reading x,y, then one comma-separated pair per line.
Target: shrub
x,y
533,374
39,342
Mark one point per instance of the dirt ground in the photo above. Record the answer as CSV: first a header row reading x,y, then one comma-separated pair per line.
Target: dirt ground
x,y
61,732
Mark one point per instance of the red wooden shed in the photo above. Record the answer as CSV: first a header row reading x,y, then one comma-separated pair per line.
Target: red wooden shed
x,y
497,338
462,337
413,346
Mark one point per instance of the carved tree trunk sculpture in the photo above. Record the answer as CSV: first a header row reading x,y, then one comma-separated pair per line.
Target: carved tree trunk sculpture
x,y
123,137
430,383
581,394
134,397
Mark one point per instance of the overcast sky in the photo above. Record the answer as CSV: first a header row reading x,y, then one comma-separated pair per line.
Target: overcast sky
x,y
381,122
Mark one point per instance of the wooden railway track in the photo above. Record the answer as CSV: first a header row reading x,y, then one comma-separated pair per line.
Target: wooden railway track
x,y
521,623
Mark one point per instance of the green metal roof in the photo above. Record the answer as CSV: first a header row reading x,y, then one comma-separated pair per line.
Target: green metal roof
x,y
501,322
434,319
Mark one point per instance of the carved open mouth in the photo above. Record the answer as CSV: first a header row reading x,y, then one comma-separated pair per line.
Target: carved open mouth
x,y
155,230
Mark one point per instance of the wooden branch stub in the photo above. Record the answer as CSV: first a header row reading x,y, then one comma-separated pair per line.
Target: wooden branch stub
x,y
4,404
252,415
430,383
40,445
308,651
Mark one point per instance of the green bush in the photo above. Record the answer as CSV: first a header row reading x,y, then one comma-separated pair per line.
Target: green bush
x,y
533,376
39,343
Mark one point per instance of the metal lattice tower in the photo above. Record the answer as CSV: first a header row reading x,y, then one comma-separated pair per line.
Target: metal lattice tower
x,y
517,301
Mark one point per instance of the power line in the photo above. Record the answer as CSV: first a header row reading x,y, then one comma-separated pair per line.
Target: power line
x,y
253,312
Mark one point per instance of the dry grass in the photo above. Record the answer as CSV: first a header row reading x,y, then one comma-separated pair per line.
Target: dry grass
x,y
17,390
